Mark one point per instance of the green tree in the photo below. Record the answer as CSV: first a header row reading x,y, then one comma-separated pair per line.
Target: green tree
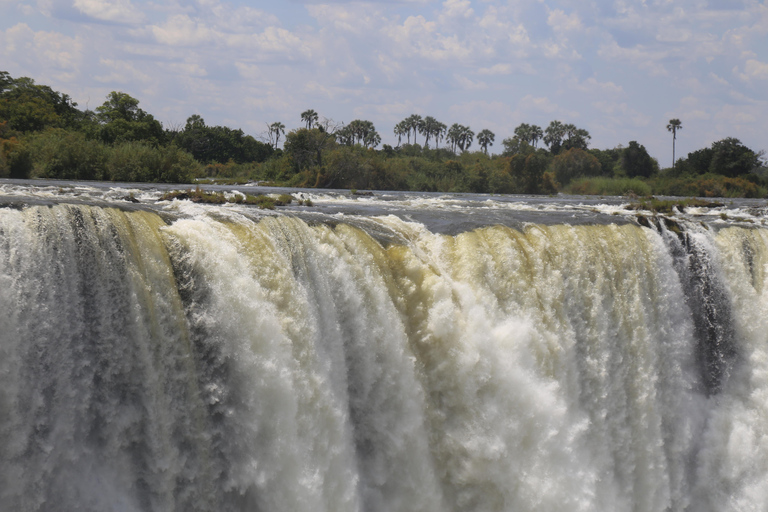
x,y
673,126
530,134
400,131
30,107
553,136
122,120
310,118
414,122
575,137
527,172
636,162
732,158
575,163
275,129
305,147
485,138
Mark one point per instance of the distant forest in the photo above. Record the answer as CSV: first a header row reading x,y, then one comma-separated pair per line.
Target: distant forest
x,y
44,135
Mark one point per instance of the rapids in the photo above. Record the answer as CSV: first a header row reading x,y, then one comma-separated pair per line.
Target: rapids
x,y
389,356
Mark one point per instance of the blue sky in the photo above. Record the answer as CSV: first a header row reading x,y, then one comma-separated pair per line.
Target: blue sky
x,y
621,69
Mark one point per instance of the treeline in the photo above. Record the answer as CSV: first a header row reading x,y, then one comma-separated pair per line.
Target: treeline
x,y
44,134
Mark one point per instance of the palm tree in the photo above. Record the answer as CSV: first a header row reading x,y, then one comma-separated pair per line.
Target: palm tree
x,y
535,134
673,126
276,129
465,140
427,128
454,135
310,117
485,138
439,132
401,130
414,123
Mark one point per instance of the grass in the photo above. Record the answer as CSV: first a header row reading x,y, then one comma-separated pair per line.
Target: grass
x,y
598,186
663,206
198,195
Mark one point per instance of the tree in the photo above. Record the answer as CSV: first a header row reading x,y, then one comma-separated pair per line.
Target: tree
x,y
465,138
31,107
209,144
309,117
636,161
673,126
575,137
275,129
529,134
527,172
515,145
122,120
553,136
400,130
439,132
732,158
414,123
428,127
485,138
119,105
575,163
359,132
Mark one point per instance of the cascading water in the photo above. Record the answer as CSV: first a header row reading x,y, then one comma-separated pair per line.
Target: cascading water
x,y
214,360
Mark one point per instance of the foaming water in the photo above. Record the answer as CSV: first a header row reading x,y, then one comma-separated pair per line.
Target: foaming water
x,y
221,361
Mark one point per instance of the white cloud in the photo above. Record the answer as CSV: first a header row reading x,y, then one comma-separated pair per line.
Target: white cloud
x,y
469,85
563,23
540,103
755,70
121,72
496,69
181,30
118,11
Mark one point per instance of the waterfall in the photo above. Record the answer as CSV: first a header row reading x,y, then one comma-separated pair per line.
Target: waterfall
x,y
218,361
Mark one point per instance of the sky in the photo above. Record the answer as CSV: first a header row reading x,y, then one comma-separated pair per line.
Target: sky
x,y
617,68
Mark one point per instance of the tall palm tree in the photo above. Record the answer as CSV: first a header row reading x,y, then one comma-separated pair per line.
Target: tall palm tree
x,y
276,129
310,117
535,134
673,126
485,138
414,123
465,140
401,130
439,133
454,135
427,128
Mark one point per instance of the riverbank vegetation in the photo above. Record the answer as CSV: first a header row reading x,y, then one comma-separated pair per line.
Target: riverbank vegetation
x,y
43,134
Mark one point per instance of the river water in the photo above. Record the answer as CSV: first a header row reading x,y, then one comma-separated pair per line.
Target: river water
x,y
394,352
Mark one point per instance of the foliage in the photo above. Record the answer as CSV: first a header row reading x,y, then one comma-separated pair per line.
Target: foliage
x,y
138,161
527,172
559,137
667,206
575,163
62,154
636,162
707,185
485,138
209,144
359,132
200,196
603,186
731,158
15,158
305,147
43,134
